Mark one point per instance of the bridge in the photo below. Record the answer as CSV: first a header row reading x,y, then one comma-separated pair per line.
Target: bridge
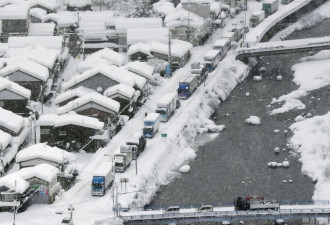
x,y
221,214
283,47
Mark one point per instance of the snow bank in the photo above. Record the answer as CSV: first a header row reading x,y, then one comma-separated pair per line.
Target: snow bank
x,y
185,169
290,104
293,95
314,151
254,120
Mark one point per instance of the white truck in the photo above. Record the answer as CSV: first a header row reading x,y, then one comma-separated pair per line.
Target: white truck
x,y
270,6
102,179
222,44
151,125
257,17
166,106
124,158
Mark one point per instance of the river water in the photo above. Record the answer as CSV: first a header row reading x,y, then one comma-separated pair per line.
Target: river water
x,y
235,162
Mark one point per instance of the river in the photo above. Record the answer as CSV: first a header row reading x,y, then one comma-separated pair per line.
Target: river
x,y
235,162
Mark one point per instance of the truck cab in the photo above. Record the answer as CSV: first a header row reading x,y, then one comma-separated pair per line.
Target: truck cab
x,y
151,125
98,185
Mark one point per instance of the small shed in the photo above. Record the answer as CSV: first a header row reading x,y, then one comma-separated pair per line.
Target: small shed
x,y
139,51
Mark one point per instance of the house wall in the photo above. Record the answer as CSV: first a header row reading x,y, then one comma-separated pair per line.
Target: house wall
x,y
46,192
16,106
33,86
80,136
47,135
67,101
35,19
98,80
96,113
15,26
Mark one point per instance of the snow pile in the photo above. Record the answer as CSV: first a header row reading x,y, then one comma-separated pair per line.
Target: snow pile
x,y
253,120
257,78
163,7
314,151
293,95
289,105
185,169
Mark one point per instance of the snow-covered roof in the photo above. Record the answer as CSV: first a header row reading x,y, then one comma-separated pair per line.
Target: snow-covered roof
x,y
139,47
257,12
122,89
77,92
178,49
44,151
77,3
8,2
15,12
196,1
66,19
6,84
42,171
166,98
122,24
151,117
140,68
211,53
14,183
51,42
5,139
44,56
112,72
51,16
163,7
93,97
41,29
27,66
67,119
104,56
146,35
38,12
215,7
10,120
103,169
180,17
228,34
51,5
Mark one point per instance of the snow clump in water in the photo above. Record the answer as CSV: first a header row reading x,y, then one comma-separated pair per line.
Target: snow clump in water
x,y
185,169
254,120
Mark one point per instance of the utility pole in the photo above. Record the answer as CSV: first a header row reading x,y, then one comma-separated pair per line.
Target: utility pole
x,y
71,209
188,20
169,52
15,203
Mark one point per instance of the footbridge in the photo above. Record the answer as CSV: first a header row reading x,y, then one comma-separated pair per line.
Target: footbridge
x,y
221,214
283,47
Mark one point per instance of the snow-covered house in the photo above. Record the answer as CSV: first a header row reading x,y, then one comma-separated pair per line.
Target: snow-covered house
x,y
28,74
140,68
70,131
36,15
104,56
14,97
81,5
10,122
5,141
48,6
42,178
13,191
50,42
41,29
139,51
14,19
70,95
147,35
180,51
163,7
42,153
188,26
94,105
100,78
125,95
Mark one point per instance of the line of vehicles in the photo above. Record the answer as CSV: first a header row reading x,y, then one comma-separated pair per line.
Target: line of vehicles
x,y
240,204
199,71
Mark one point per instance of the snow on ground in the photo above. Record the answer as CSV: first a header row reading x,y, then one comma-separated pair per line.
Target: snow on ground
x,y
309,75
306,21
314,151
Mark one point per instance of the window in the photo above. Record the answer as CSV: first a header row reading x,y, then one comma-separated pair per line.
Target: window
x,y
62,133
45,131
2,103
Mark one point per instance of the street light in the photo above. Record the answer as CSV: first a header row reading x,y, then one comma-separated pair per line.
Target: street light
x,y
114,178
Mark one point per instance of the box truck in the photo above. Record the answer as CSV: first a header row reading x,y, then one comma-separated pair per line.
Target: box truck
x,y
102,178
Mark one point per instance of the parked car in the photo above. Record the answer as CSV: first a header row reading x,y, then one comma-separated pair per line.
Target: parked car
x,y
205,208
67,221
173,209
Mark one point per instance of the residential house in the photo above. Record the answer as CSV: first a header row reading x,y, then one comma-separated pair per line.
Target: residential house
x,y
94,105
15,20
48,6
28,74
180,51
100,78
71,131
126,96
42,180
42,153
70,95
14,97
10,122
49,42
13,191
140,68
36,15
139,52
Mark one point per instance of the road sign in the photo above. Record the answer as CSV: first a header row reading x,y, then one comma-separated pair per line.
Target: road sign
x,y
164,135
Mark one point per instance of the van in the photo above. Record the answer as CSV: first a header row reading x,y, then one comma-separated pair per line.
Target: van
x,y
205,208
173,209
